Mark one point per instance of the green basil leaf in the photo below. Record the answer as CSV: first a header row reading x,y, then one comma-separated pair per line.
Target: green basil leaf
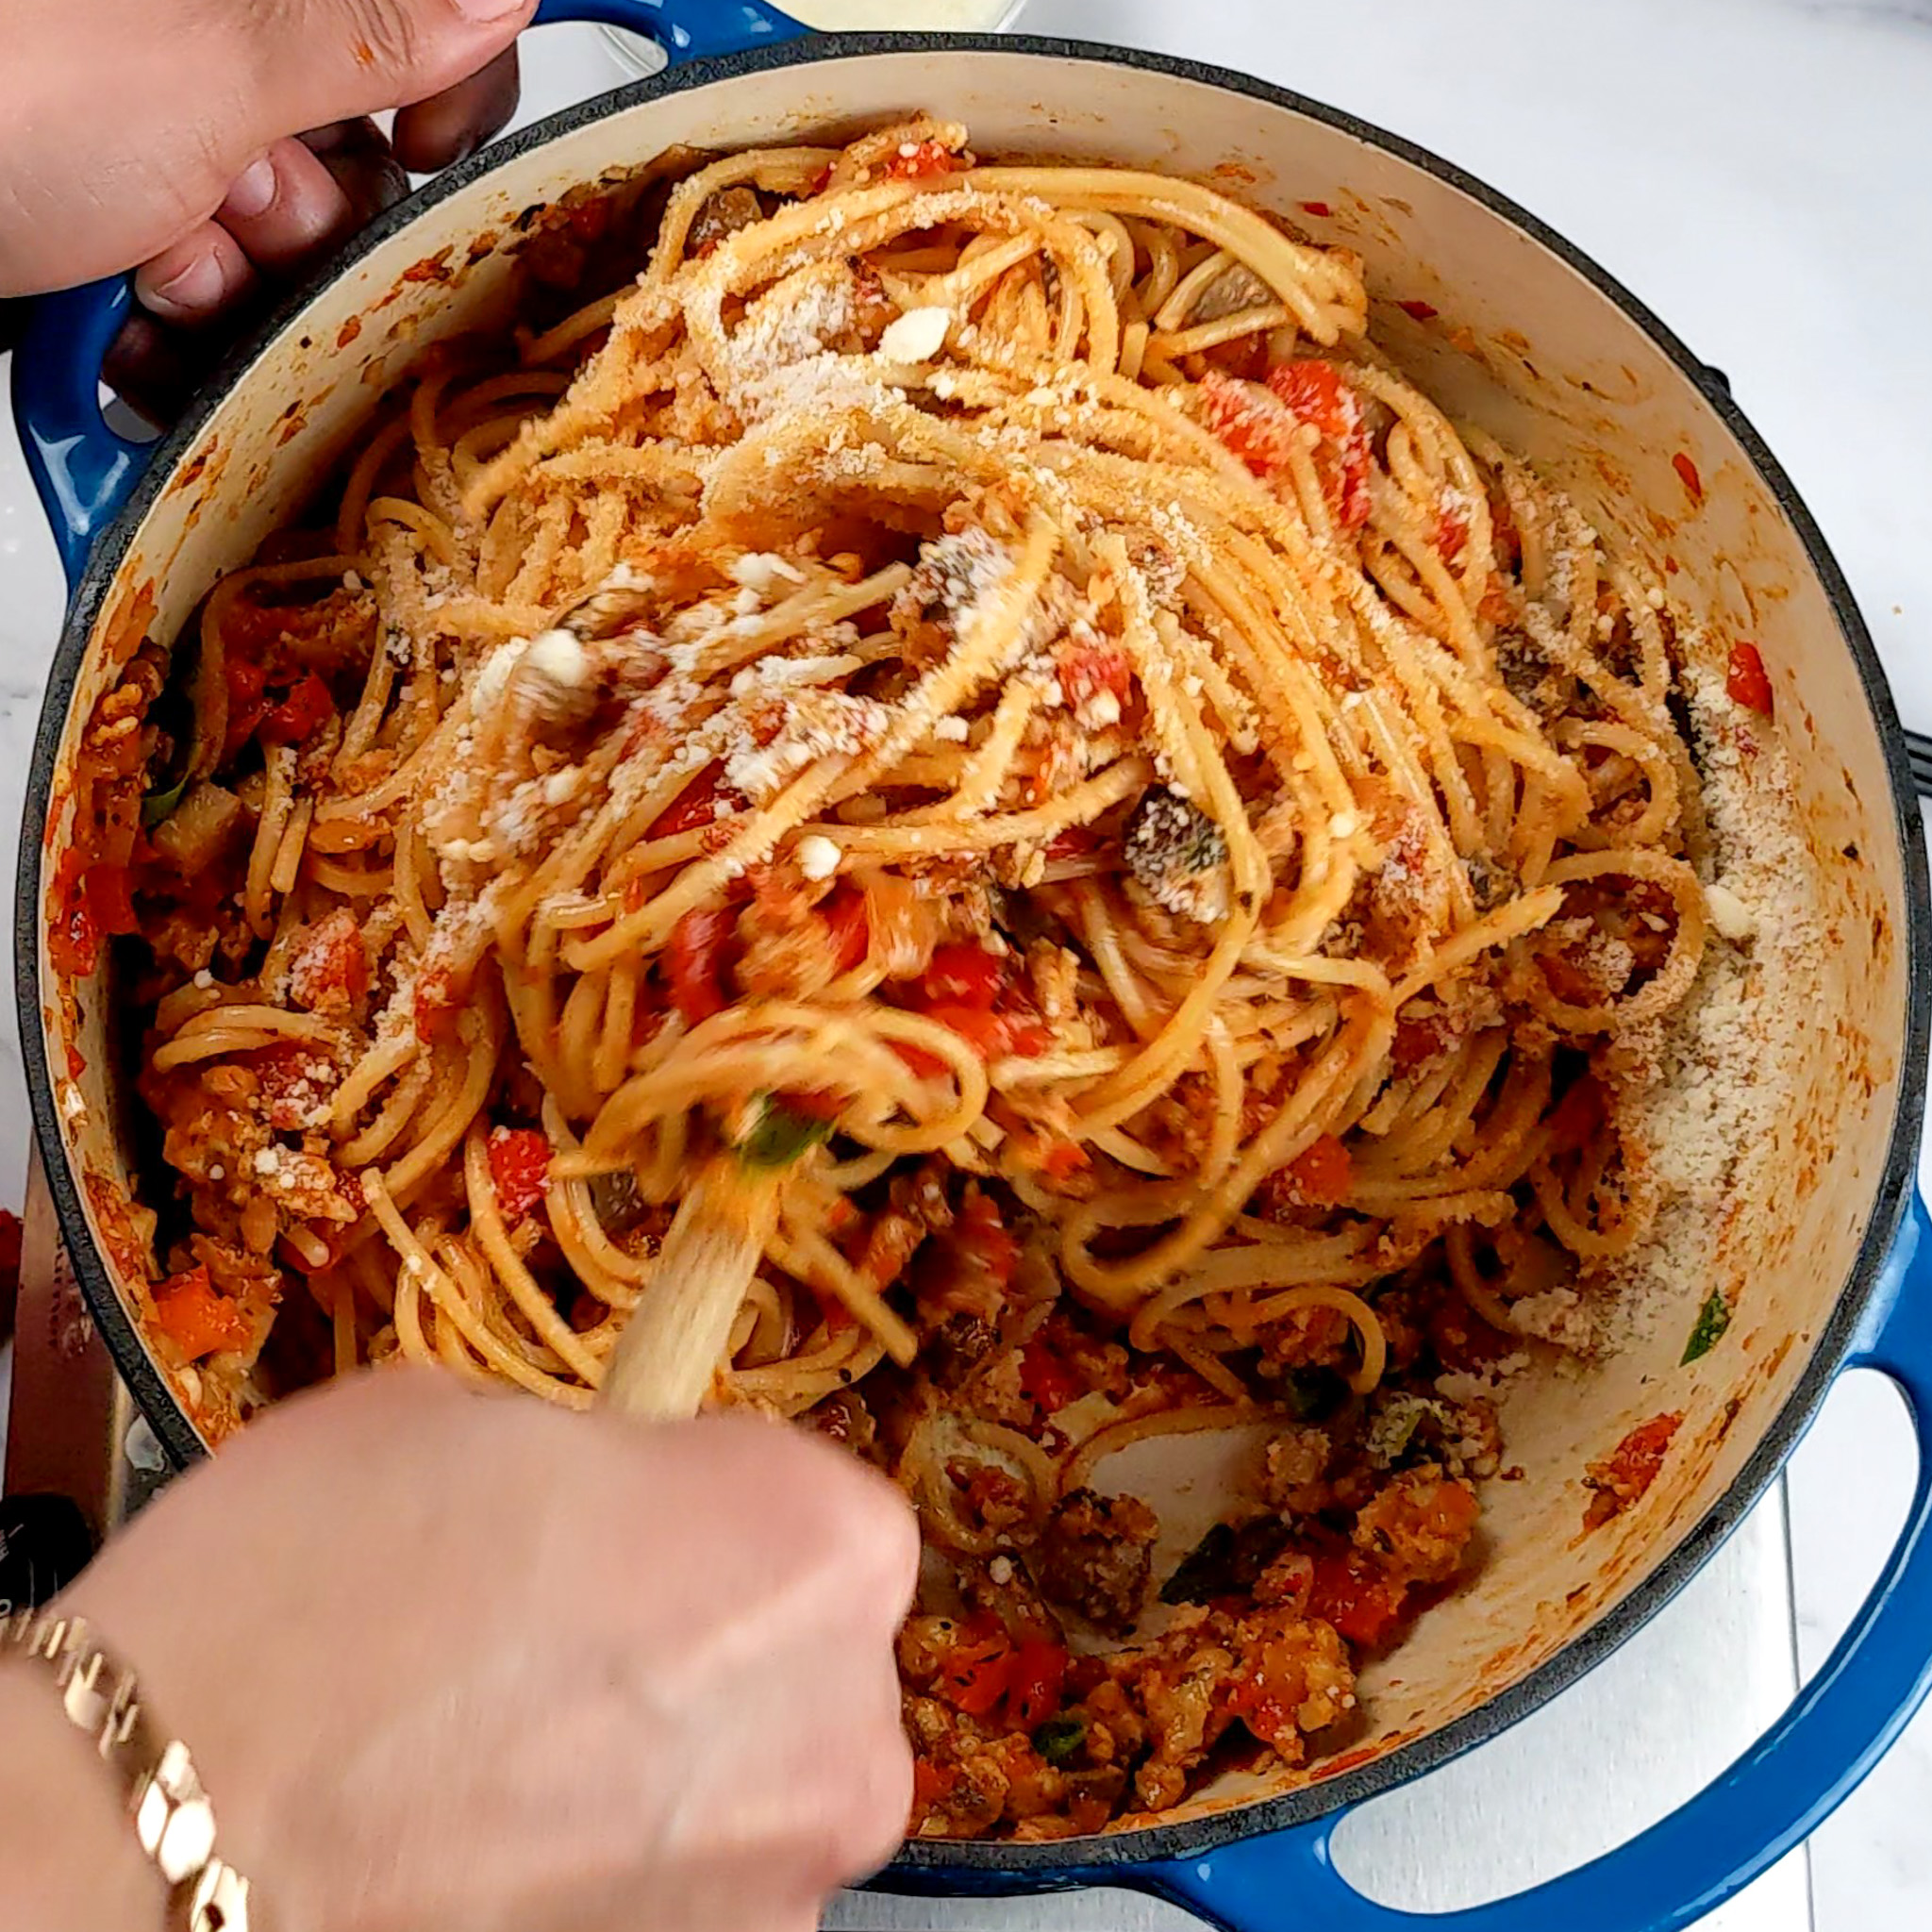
x,y
1226,1561
173,714
1313,1395
782,1135
158,806
1713,1320
1059,1740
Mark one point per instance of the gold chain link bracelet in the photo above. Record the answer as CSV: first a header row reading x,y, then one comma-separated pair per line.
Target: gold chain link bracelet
x,y
173,1817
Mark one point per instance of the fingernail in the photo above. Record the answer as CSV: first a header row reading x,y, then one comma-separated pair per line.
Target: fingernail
x,y
191,290
252,190
489,9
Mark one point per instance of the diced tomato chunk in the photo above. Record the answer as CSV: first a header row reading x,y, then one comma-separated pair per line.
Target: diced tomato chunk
x,y
704,800
992,1036
1687,475
196,1319
292,1081
1046,1380
695,964
1421,311
1088,669
932,1784
988,1670
1317,392
925,159
845,913
1074,842
1265,1714
1249,421
1035,1683
247,680
976,994
330,969
1064,1159
300,715
1351,1594
438,1000
520,1167
981,1233
974,1678
1322,1173
1748,682
964,972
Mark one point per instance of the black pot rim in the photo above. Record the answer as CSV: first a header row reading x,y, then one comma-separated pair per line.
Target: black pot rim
x,y
932,1865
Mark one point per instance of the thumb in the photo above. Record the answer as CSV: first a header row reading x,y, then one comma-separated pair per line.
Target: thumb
x,y
322,60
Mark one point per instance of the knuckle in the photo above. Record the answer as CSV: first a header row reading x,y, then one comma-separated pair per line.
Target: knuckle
x,y
388,35
422,46
871,1529
881,1802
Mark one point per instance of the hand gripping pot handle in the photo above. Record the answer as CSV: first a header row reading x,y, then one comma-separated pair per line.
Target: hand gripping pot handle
x,y
1769,1801
84,471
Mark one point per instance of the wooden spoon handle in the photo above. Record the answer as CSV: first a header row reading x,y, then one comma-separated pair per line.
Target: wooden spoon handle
x,y
671,1347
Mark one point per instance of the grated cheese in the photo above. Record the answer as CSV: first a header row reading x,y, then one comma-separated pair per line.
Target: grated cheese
x,y
1730,913
917,336
818,857
494,673
559,657
1709,1123
762,571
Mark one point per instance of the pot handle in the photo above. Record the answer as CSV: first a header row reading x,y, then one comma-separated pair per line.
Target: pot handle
x,y
686,29
84,471
1768,1802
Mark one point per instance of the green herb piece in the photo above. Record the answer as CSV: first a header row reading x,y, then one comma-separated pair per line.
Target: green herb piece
x,y
1394,1426
1203,1570
173,718
158,806
782,1135
1313,1395
1059,1740
1226,1561
1713,1320
617,1202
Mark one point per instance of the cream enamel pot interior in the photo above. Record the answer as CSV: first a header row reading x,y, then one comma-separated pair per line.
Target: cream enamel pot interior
x,y
1560,363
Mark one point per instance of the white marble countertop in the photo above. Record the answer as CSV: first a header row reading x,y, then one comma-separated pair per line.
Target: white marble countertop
x,y
1757,172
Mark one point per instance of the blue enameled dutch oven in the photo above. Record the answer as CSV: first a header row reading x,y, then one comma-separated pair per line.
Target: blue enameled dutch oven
x,y
1534,342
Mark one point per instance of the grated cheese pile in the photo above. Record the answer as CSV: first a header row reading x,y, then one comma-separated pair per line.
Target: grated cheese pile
x,y
1723,1074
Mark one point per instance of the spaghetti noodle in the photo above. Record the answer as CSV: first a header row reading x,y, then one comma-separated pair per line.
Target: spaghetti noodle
x,y
980,688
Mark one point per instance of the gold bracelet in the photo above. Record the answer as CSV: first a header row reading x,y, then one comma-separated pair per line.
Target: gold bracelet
x,y
173,1817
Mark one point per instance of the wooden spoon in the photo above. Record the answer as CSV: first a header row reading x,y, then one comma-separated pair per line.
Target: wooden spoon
x,y
671,1347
